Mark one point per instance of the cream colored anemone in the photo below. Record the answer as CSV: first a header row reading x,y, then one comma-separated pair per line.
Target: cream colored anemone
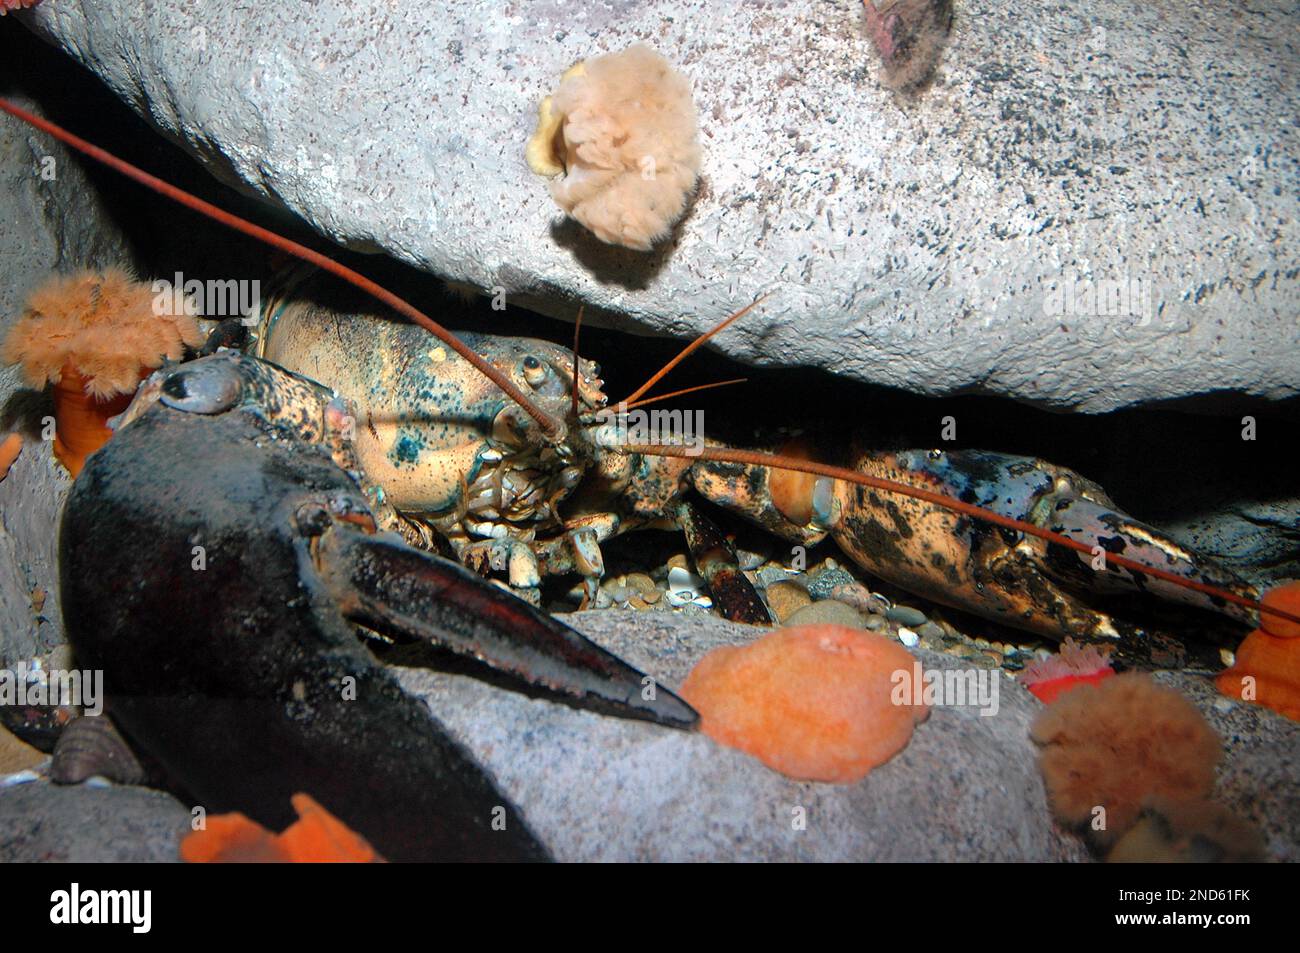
x,y
622,136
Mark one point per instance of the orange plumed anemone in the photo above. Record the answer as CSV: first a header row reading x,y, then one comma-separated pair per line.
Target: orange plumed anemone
x,y
1267,665
317,837
1115,744
94,335
814,702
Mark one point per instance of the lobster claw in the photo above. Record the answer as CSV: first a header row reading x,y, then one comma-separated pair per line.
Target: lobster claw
x,y
1098,523
385,585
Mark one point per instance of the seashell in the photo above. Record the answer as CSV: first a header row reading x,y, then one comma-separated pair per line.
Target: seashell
x,y
91,746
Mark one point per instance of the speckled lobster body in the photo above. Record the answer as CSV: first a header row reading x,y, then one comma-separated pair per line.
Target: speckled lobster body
x,y
460,463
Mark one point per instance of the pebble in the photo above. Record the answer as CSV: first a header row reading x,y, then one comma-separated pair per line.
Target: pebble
x,y
747,560
823,581
931,631
908,637
785,598
641,583
875,623
826,612
678,561
860,597
906,615
770,574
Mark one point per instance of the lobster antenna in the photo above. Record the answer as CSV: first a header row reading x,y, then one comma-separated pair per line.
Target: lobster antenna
x,y
577,327
685,390
551,427
780,462
691,348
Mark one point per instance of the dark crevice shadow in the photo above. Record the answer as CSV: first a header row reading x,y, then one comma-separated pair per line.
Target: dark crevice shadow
x,y
25,410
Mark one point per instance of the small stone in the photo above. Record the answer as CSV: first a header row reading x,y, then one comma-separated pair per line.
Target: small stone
x,y
931,631
678,561
785,598
854,593
906,615
652,597
771,574
748,560
636,602
875,623
641,583
826,612
823,581
908,637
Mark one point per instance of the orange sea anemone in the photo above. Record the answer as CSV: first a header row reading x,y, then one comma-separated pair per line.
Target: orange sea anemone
x,y
1073,665
1116,744
94,335
1287,598
316,837
9,450
815,702
1267,665
1267,672
622,135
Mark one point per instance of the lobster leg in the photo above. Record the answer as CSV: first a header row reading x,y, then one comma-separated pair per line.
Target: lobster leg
x,y
734,594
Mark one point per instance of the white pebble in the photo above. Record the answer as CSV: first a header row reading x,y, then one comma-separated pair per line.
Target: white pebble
x,y
26,776
908,637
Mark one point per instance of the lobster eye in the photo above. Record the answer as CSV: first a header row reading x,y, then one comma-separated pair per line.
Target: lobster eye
x,y
202,388
534,371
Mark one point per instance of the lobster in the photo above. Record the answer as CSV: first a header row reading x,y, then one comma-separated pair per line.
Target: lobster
x,y
450,460
526,472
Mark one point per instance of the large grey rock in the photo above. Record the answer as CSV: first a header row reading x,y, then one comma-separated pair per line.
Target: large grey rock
x,y
910,243
50,219
967,788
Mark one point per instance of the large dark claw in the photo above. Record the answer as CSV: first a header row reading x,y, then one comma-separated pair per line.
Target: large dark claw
x,y
212,567
387,586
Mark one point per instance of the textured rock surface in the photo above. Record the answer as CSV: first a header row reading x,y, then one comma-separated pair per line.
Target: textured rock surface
x,y
1260,775
42,822
966,787
46,223
907,243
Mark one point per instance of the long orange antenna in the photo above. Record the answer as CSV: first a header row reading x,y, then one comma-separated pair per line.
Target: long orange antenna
x,y
554,428
755,458
684,390
577,327
690,349
550,426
